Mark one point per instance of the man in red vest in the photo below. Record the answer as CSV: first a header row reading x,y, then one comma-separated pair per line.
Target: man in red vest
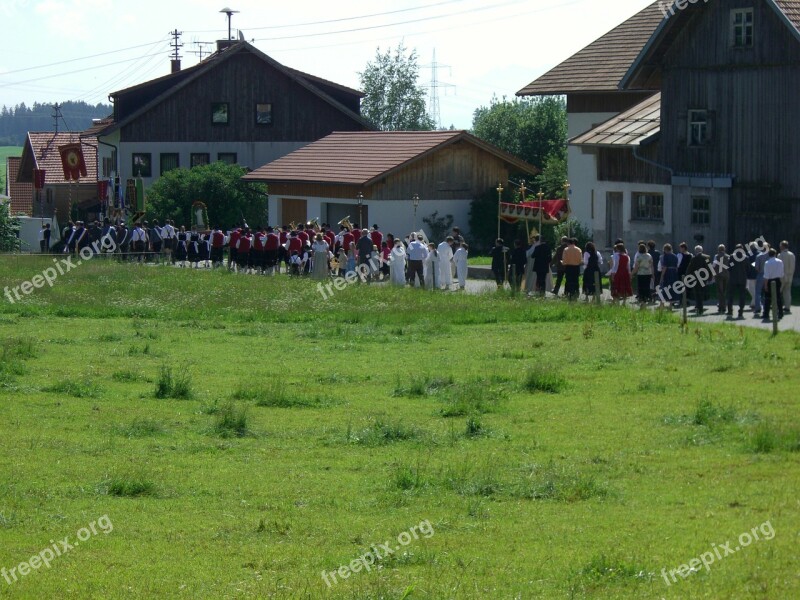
x,y
271,251
377,236
347,239
243,245
301,233
257,253
217,247
233,241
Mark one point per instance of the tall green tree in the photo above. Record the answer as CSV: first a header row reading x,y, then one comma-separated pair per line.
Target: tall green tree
x,y
218,185
394,100
9,230
532,129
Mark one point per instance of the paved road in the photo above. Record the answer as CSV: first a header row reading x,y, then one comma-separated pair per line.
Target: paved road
x,y
789,322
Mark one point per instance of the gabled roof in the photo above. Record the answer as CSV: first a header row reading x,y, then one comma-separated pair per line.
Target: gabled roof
x,y
630,128
788,11
174,82
364,157
41,152
601,65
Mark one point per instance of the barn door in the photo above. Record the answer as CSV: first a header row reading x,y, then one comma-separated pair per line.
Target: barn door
x,y
293,210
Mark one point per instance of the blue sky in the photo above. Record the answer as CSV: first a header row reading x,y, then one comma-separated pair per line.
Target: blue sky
x,y
489,47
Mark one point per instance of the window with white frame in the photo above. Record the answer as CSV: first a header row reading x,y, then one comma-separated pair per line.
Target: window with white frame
x,y
742,28
698,127
701,210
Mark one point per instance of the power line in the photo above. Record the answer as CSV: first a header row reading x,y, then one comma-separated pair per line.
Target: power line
x,y
15,83
412,21
434,86
63,62
340,20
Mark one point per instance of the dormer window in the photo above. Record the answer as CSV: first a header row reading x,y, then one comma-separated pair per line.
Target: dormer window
x,y
742,28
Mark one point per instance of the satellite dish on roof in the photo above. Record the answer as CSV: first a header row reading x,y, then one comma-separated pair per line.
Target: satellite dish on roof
x,y
241,36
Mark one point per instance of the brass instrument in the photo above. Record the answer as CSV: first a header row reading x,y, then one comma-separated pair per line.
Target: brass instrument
x,y
314,224
292,226
346,222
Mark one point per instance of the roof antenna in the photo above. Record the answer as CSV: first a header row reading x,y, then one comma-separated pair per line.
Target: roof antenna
x,y
230,12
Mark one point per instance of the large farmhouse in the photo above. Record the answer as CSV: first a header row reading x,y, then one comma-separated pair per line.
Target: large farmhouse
x,y
683,124
238,106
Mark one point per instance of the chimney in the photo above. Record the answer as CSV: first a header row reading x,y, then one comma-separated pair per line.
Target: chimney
x,y
224,44
176,65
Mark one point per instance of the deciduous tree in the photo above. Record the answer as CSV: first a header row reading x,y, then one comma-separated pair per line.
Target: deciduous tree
x,y
394,100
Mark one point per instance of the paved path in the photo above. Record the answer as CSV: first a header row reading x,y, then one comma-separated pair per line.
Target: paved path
x,y
789,322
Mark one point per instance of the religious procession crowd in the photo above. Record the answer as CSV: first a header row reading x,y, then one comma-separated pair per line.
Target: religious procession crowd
x,y
667,276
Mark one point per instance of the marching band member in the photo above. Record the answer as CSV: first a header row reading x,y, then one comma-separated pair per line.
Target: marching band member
x,y
271,251
217,247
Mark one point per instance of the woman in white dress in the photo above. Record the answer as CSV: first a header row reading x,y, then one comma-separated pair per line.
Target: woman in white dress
x,y
397,264
320,270
431,268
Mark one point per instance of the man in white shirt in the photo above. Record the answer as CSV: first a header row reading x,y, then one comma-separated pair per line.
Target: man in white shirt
x,y
168,235
773,273
417,252
788,259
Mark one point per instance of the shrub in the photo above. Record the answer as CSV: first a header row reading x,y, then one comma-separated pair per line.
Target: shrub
x,y
177,386
538,379
231,420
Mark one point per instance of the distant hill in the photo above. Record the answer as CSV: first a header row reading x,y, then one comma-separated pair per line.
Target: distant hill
x,y
16,121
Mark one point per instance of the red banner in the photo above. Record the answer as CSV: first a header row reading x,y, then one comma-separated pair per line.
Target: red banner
x,y
72,161
38,178
552,212
102,190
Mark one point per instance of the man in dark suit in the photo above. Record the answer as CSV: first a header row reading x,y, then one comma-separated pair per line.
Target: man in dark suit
x,y
542,257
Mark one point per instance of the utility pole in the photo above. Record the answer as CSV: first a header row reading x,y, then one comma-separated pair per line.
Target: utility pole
x,y
176,45
433,87
201,51
56,116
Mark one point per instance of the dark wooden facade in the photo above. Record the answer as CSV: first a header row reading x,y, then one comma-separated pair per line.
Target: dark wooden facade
x,y
751,95
241,80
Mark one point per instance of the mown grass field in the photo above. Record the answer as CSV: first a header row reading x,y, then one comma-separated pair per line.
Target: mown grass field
x,y
243,435
5,152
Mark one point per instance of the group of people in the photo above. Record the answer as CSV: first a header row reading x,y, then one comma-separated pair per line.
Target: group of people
x,y
320,252
666,274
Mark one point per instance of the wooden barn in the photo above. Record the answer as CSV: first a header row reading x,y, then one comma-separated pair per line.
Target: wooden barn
x,y
238,106
684,124
386,170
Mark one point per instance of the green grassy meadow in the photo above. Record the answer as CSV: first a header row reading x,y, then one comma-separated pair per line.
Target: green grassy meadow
x,y
5,152
244,435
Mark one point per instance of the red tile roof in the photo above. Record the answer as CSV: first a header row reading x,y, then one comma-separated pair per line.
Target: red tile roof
x,y
362,157
601,65
44,145
626,129
21,193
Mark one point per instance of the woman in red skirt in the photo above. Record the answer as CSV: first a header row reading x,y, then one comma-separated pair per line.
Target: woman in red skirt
x,y
621,283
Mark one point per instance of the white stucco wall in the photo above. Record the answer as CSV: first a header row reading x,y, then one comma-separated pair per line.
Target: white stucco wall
x,y
633,230
393,216
248,154
582,168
